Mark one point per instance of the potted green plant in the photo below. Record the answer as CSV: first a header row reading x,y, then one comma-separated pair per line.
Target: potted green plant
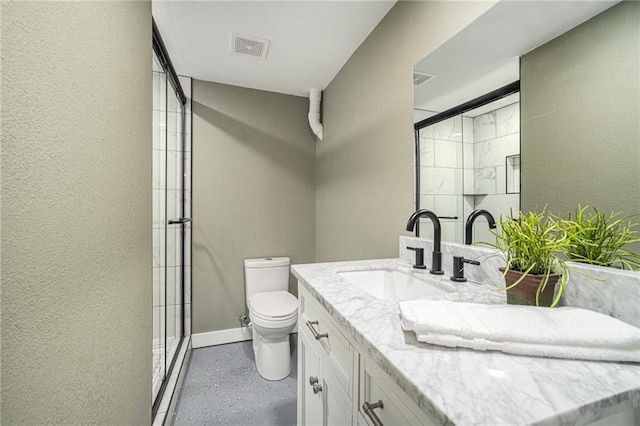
x,y
533,247
602,253
601,240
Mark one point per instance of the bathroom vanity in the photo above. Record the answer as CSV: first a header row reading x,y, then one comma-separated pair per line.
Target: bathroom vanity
x,y
357,366
338,379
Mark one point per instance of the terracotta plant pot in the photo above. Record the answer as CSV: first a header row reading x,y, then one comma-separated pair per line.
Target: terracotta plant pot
x,y
525,292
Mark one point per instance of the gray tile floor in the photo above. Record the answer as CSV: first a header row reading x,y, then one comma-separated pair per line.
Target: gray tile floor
x,y
222,386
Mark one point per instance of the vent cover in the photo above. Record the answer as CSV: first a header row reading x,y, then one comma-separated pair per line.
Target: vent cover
x,y
248,45
420,78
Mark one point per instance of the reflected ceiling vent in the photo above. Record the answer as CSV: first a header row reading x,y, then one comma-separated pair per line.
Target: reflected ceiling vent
x,y
420,78
247,45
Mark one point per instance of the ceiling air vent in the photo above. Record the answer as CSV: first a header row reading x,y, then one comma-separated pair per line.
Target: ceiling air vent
x,y
248,45
420,78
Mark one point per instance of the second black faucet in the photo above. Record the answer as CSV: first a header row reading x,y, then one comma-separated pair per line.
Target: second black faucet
x,y
468,227
436,265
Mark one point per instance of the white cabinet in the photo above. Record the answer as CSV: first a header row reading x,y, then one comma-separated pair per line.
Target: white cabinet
x,y
325,368
310,404
337,405
321,399
336,381
381,401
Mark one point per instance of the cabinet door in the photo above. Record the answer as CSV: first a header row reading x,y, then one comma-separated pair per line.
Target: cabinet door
x,y
387,403
310,405
337,407
323,402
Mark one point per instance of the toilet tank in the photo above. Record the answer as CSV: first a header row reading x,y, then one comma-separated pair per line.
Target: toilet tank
x,y
266,274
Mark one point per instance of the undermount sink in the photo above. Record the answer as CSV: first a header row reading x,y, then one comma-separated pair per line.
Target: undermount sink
x,y
393,285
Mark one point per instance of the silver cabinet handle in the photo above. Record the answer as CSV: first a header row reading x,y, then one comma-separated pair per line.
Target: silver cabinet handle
x,y
313,380
315,333
317,388
368,410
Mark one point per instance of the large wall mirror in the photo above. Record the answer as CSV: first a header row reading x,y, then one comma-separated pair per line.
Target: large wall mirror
x,y
470,125
467,159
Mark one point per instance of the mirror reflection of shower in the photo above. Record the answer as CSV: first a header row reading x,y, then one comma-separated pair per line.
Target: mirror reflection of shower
x,y
468,161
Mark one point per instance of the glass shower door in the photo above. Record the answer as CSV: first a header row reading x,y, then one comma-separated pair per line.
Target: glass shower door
x,y
159,223
176,222
169,225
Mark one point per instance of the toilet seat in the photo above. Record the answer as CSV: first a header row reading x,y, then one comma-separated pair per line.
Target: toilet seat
x,y
276,320
274,305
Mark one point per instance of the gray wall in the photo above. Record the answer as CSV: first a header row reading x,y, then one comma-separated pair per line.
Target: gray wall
x,y
76,209
365,181
581,117
253,192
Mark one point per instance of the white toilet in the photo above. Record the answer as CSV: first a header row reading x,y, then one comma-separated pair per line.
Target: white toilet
x,y
273,312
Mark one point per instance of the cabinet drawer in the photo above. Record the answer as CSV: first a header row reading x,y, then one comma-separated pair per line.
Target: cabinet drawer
x,y
335,348
386,400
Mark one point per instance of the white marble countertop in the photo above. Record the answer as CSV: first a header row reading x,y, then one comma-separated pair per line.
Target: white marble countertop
x,y
463,386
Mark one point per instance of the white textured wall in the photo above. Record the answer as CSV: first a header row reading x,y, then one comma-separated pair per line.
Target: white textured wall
x,y
76,212
365,175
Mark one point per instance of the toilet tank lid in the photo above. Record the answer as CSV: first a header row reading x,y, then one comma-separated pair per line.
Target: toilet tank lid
x,y
266,262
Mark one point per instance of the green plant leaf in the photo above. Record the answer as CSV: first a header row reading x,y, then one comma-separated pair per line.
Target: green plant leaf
x,y
597,239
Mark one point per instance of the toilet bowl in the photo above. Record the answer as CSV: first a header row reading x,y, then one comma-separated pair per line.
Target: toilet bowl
x,y
273,313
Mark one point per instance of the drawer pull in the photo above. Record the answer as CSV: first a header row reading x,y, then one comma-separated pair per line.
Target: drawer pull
x,y
313,380
315,333
368,410
317,388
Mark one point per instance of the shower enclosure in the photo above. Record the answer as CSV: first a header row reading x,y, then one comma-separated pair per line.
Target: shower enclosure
x,y
171,210
468,158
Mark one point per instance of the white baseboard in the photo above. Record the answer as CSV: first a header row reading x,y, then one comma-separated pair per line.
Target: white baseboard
x,y
221,337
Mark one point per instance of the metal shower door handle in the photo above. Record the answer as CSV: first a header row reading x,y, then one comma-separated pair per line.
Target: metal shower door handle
x,y
179,220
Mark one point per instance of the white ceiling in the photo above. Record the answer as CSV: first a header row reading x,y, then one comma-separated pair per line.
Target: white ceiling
x,y
310,40
484,55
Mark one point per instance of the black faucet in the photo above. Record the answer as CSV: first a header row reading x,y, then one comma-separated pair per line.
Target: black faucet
x,y
458,268
468,227
436,265
419,263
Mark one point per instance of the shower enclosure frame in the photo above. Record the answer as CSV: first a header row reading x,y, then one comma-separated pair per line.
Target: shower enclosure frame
x,y
165,61
485,99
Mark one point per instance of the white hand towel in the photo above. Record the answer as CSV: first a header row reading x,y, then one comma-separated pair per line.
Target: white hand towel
x,y
526,330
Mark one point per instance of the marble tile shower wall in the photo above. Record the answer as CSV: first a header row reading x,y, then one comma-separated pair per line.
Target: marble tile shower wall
x,y
463,168
441,176
496,135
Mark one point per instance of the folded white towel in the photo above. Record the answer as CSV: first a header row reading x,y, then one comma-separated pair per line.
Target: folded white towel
x,y
525,330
